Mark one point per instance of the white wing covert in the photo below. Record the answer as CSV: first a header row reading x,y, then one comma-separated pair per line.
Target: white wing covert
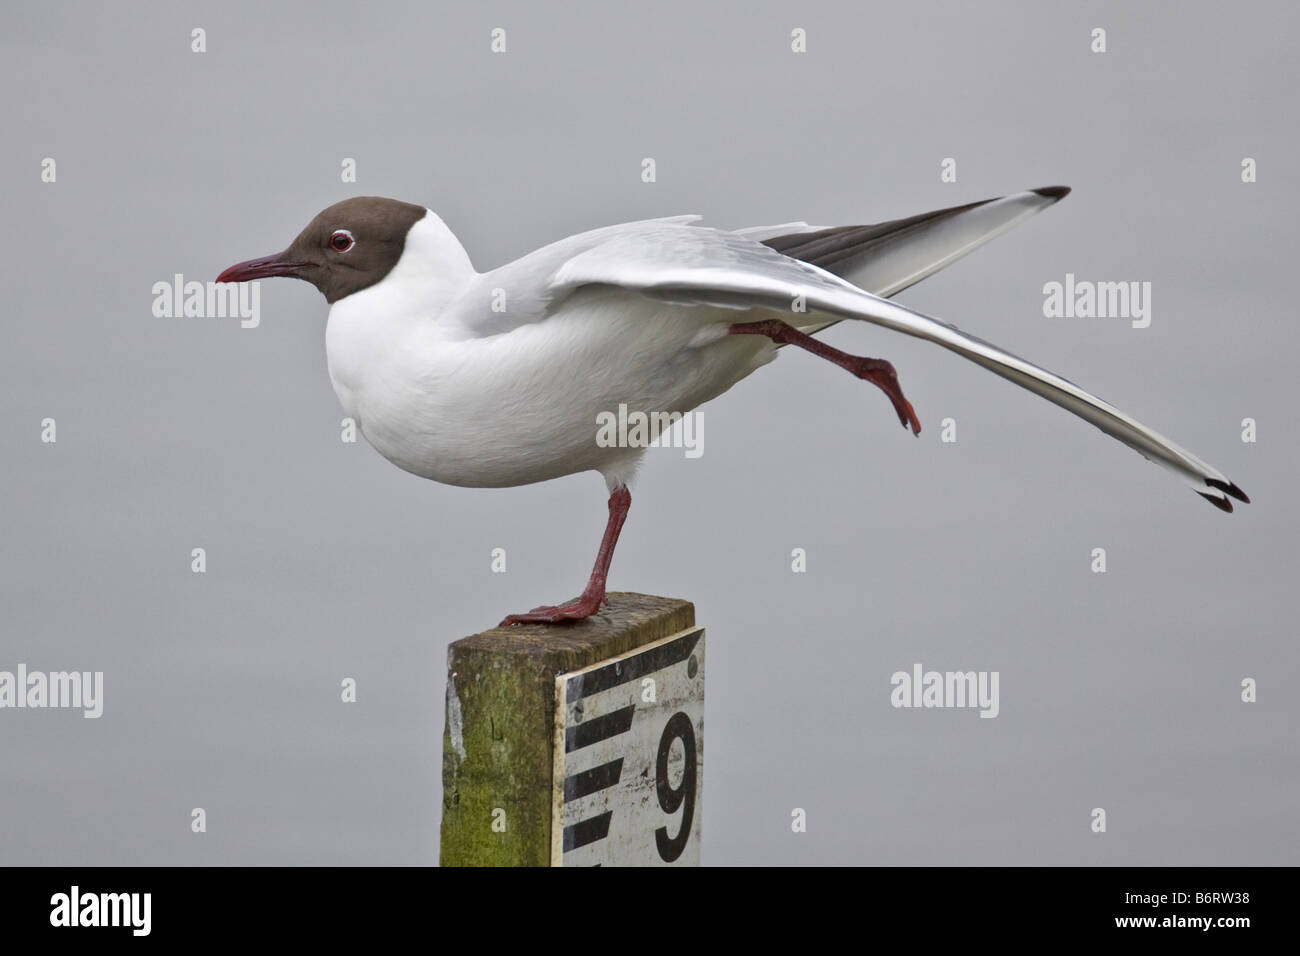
x,y
692,265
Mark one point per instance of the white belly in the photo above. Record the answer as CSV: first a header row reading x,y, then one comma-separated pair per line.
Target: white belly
x,y
523,406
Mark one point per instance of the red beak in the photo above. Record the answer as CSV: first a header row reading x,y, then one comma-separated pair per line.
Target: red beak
x,y
266,267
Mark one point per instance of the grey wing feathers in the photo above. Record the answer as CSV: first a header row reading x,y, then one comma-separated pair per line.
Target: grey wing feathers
x,y
692,265
838,246
888,257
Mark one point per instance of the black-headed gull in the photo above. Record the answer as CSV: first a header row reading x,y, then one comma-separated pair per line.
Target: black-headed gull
x,y
499,378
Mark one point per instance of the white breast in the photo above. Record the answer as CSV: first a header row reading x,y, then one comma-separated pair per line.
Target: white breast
x,y
520,406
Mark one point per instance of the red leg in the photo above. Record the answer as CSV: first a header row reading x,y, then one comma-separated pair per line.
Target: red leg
x,y
594,595
877,371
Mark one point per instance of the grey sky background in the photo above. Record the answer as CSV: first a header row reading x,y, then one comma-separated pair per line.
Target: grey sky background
x,y
1119,690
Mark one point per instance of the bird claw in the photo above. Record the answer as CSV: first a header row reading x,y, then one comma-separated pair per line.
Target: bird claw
x,y
881,374
547,614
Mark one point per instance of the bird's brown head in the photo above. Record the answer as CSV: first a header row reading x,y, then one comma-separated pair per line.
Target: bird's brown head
x,y
348,247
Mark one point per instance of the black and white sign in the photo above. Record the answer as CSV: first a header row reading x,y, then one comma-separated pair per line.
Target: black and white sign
x,y
629,758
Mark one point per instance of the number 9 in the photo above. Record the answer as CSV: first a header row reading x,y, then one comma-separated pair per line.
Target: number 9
x,y
679,726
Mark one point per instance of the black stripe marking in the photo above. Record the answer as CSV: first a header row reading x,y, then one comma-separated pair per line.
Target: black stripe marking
x,y
841,245
593,780
599,728
621,672
1228,488
587,831
1223,504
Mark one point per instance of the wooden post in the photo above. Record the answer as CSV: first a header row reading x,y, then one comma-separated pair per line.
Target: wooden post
x,y
576,744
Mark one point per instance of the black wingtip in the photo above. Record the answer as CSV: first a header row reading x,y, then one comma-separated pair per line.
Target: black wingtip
x,y
1053,192
1228,488
1223,504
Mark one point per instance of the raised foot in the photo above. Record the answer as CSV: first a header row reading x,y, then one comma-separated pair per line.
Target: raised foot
x,y
881,374
583,608
877,371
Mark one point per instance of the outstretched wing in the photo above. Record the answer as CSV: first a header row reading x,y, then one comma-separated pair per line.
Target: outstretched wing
x,y
692,265
883,259
888,257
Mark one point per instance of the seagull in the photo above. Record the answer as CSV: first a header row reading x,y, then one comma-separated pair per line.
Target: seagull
x,y
499,378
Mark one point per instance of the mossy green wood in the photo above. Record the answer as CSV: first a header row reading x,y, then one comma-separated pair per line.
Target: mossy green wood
x,y
496,746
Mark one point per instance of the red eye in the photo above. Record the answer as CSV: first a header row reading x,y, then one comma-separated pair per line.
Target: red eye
x,y
341,241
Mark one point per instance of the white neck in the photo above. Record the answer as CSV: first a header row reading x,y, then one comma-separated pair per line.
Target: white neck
x,y
370,329
434,267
